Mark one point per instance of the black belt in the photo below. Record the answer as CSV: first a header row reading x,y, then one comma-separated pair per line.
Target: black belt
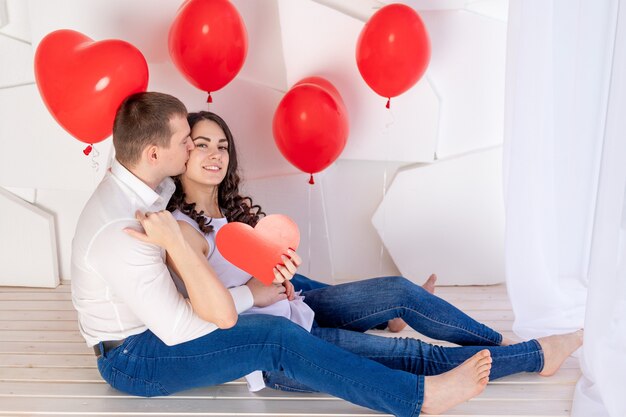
x,y
106,347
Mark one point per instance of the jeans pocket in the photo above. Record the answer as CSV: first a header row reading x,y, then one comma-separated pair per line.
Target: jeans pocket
x,y
129,343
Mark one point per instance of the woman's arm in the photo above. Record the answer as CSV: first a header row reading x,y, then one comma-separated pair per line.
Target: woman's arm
x,y
186,254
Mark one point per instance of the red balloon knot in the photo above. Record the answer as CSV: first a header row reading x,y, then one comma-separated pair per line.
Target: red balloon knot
x,y
209,99
388,102
311,181
87,150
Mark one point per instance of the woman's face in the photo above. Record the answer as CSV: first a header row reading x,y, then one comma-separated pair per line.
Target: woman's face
x,y
208,161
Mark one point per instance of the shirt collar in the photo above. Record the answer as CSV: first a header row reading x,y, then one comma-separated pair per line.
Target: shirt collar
x,y
148,196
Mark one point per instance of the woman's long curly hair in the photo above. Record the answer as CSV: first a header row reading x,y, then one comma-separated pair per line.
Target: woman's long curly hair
x,y
235,207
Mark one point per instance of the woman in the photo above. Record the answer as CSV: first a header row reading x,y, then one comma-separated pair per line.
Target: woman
x,y
208,196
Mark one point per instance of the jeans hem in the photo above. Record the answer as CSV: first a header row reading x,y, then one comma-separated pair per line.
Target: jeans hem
x,y
542,361
420,395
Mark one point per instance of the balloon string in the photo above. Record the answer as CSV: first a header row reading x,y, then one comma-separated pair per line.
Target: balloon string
x,y
330,246
94,163
310,231
385,135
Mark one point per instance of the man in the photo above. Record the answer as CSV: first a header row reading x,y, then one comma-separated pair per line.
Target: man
x,y
149,340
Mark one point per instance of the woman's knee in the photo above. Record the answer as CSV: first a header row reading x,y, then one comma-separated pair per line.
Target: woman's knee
x,y
398,283
400,288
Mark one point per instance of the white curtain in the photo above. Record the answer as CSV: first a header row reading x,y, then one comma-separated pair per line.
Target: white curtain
x,y
565,179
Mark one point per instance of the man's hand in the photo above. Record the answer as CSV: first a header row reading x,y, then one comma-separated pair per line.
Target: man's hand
x,y
265,295
160,229
290,265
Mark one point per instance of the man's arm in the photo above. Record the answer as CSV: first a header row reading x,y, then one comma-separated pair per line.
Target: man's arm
x,y
198,243
138,276
208,296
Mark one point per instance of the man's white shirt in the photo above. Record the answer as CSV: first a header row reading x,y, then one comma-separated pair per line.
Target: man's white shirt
x,y
121,286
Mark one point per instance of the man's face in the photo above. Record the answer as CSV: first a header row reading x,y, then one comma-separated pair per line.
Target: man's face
x,y
175,157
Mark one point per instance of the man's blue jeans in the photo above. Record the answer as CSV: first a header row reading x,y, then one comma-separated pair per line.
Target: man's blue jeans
x,y
343,312
143,365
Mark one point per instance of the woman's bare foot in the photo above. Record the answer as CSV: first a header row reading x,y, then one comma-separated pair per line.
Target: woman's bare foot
x,y
397,325
557,348
442,392
507,342
429,285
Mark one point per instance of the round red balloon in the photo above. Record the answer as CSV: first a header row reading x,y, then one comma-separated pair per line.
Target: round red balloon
x,y
393,50
83,82
208,43
311,126
327,85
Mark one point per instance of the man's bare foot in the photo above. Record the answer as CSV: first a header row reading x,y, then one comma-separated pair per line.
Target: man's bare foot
x,y
557,348
397,325
442,392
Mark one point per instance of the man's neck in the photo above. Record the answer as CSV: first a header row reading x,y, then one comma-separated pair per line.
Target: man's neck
x,y
147,176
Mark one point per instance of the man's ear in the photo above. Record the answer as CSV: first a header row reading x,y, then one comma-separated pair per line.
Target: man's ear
x,y
152,154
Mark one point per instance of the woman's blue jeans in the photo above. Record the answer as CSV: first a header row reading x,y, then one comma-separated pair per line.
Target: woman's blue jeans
x,y
143,365
343,312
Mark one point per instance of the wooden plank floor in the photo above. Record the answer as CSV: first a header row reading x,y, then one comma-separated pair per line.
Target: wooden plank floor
x,y
46,369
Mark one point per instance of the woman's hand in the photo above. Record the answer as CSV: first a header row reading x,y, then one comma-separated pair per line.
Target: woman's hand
x,y
286,271
160,228
289,290
266,295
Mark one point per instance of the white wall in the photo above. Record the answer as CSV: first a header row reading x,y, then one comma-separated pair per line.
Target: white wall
x,y
455,109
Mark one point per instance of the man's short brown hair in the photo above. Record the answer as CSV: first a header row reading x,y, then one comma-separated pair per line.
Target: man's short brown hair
x,y
143,120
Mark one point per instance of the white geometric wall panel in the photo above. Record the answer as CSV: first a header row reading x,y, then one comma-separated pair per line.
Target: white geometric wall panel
x,y
66,206
496,9
28,253
328,50
293,196
37,152
353,190
467,71
4,15
143,23
447,218
17,62
359,9
27,194
433,4
264,63
364,9
17,21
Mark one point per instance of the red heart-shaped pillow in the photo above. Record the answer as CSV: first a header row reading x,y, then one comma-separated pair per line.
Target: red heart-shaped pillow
x,y
83,82
258,250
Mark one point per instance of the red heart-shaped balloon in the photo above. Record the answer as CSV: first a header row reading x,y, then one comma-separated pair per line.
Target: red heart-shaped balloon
x,y
258,250
83,82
